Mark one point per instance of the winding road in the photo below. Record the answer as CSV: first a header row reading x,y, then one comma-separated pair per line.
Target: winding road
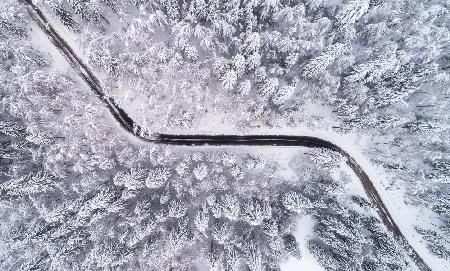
x,y
221,140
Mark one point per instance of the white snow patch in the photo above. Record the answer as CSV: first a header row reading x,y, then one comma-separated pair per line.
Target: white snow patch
x,y
40,41
303,233
282,156
198,266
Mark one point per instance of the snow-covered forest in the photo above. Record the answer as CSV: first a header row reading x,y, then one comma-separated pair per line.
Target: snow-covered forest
x,y
79,193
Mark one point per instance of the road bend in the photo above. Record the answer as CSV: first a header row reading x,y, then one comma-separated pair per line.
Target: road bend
x,y
128,124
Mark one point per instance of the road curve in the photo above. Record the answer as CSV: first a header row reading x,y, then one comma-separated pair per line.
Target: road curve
x,y
222,140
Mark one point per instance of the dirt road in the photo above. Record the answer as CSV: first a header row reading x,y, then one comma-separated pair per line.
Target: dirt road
x,y
222,140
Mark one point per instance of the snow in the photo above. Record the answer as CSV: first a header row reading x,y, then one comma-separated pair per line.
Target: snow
x,y
66,34
40,41
282,156
405,216
198,266
304,231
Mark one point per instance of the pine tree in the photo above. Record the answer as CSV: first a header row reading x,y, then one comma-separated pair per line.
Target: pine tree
x,y
283,95
87,10
214,257
231,258
254,258
230,206
33,183
201,220
200,172
438,243
229,79
221,231
318,65
269,87
352,11
157,177
252,44
179,236
177,208
11,22
12,129
239,64
64,16
244,87
292,246
296,202
254,211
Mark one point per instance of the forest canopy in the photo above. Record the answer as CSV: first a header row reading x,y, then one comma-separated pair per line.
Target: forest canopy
x,y
77,193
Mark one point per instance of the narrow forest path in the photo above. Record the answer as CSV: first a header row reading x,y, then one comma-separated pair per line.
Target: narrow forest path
x,y
222,140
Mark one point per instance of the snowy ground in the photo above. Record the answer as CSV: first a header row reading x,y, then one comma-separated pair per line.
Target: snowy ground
x,y
405,216
307,262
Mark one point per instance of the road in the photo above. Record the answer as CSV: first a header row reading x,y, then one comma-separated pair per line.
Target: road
x,y
222,140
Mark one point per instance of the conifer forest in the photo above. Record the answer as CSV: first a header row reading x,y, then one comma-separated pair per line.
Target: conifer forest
x,y
225,135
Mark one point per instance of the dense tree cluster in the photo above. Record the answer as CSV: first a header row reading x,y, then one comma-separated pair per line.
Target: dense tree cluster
x,y
374,66
77,194
348,238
